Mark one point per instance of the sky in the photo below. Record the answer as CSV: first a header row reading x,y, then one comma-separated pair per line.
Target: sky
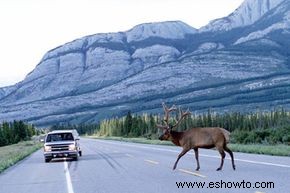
x,y
30,28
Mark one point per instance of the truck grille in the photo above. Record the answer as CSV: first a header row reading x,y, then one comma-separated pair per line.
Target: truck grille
x,y
59,147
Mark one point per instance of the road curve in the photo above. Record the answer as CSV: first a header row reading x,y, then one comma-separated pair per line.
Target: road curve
x,y
112,166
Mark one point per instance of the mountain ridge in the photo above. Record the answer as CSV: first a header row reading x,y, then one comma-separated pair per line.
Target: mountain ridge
x,y
105,75
242,16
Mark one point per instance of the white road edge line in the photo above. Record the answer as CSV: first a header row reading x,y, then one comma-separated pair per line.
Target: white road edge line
x,y
250,161
203,155
68,178
263,163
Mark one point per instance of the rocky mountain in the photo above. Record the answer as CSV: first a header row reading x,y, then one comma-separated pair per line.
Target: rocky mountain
x,y
6,90
248,13
237,63
165,30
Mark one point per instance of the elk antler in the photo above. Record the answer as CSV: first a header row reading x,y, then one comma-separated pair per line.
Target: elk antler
x,y
167,111
181,116
162,126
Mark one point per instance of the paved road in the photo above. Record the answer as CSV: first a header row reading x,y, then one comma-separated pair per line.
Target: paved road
x,y
110,166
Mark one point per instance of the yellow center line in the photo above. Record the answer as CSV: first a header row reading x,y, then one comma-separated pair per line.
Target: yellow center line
x,y
151,161
192,173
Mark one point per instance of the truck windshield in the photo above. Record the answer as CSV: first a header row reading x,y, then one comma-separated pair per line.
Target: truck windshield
x,y
59,137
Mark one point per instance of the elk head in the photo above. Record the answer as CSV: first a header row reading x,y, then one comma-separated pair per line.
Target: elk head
x,y
167,128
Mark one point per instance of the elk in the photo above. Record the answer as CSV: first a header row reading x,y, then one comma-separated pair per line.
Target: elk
x,y
194,138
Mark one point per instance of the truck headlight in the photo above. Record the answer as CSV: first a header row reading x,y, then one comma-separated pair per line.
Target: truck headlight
x,y
47,148
72,147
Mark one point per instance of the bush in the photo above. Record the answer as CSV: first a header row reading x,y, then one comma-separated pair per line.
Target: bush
x,y
266,136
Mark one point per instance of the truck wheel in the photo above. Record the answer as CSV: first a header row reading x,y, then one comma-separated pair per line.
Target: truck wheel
x,y
80,153
47,160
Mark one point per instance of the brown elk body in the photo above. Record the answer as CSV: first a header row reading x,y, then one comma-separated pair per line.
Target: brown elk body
x,y
206,137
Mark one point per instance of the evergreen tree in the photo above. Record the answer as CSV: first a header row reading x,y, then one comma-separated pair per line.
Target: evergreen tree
x,y
128,123
7,133
2,140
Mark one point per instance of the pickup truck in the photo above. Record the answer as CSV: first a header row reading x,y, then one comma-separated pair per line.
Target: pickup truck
x,y
62,144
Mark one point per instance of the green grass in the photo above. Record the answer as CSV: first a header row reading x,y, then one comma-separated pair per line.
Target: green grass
x,y
134,140
11,154
278,150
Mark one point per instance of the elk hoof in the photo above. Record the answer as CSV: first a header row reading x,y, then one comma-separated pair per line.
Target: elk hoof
x,y
197,169
219,169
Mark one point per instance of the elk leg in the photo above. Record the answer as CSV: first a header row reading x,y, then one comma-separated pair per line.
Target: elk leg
x,y
184,151
196,157
232,156
223,155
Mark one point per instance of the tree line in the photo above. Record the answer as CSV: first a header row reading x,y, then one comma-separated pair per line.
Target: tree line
x,y
258,127
16,131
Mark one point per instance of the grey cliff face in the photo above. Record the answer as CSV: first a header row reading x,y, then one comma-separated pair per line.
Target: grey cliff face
x,y
106,75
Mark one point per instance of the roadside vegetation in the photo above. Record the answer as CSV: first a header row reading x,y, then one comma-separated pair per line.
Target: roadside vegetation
x,y
260,132
11,154
16,131
16,142
278,150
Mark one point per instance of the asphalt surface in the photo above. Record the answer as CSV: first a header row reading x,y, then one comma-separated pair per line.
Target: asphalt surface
x,y
111,166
